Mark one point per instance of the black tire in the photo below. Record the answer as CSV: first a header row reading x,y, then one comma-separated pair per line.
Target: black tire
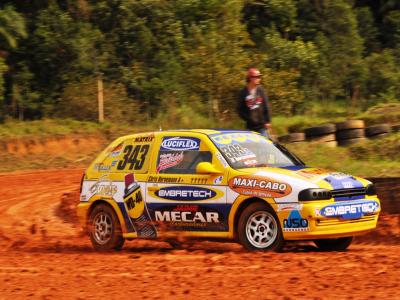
x,y
350,134
339,244
269,228
323,138
292,137
377,129
350,142
350,124
104,229
320,130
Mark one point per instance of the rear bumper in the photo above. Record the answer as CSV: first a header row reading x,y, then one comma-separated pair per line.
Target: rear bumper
x,y
82,212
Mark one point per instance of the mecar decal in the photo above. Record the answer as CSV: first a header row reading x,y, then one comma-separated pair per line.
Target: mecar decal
x,y
180,143
191,217
350,210
259,186
186,193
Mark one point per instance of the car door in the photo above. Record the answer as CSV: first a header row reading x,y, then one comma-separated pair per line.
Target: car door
x,y
179,197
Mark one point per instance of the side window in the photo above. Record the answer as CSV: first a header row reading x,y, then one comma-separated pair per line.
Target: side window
x,y
131,155
183,162
181,155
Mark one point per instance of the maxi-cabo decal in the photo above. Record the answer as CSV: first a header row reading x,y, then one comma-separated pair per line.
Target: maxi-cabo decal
x,y
349,210
180,144
185,193
259,186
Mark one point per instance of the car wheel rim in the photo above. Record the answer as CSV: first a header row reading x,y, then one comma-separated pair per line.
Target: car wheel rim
x,y
102,228
261,229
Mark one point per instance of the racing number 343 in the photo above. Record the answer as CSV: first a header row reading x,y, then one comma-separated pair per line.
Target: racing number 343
x,y
134,156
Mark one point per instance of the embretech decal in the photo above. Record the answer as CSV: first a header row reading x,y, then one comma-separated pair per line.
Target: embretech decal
x,y
353,210
186,193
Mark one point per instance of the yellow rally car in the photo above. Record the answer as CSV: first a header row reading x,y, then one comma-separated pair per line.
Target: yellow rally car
x,y
219,184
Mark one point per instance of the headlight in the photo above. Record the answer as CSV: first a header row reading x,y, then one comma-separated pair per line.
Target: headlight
x,y
370,190
315,194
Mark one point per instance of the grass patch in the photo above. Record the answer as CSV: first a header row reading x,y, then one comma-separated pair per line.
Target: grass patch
x,y
347,160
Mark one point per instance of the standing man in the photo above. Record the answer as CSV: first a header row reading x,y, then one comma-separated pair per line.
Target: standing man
x,y
253,104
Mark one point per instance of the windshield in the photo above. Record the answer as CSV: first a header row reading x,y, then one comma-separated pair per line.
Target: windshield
x,y
251,150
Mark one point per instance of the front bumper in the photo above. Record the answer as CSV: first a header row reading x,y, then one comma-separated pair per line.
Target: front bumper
x,y
329,219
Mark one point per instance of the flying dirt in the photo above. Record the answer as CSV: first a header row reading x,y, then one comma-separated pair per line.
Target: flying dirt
x,y
45,254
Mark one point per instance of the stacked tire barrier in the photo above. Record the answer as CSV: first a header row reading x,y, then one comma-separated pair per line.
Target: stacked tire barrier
x,y
350,132
345,133
377,130
322,134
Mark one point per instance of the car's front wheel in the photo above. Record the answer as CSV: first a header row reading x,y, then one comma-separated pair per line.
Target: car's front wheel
x,y
339,244
104,229
259,229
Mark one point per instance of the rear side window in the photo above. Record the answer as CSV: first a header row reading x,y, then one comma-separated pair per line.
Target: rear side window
x,y
181,155
130,155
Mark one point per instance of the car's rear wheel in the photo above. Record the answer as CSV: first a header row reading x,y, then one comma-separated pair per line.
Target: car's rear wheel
x,y
104,229
259,229
339,244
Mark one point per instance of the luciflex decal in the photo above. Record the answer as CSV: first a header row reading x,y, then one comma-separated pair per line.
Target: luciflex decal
x,y
186,193
353,210
180,144
259,186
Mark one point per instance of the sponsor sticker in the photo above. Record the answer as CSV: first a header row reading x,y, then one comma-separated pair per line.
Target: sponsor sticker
x,y
237,153
240,137
259,186
185,193
295,222
289,206
164,179
103,188
349,210
169,160
218,180
222,160
116,151
144,139
180,144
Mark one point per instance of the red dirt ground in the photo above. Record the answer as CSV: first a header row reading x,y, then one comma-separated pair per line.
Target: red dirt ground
x,y
44,254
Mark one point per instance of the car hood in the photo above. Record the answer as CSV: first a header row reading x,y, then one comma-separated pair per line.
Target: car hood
x,y
296,179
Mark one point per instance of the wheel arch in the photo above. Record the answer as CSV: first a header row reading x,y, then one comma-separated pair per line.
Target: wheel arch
x,y
242,206
113,205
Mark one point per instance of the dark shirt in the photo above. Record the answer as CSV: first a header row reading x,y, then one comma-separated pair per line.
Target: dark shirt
x,y
254,109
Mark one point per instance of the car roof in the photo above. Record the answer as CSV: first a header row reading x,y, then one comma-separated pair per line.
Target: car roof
x,y
202,131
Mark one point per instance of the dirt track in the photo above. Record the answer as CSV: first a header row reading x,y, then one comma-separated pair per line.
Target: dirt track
x,y
43,254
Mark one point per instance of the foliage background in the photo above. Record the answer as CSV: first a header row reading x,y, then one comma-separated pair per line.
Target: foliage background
x,y
181,63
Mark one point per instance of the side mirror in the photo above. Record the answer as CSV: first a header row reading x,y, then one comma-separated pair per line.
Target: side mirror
x,y
206,168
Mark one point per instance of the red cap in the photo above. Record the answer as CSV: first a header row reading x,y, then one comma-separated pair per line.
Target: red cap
x,y
253,72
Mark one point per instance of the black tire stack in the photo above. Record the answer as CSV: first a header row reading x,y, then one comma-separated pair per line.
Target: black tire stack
x,y
322,134
396,128
295,137
350,132
376,131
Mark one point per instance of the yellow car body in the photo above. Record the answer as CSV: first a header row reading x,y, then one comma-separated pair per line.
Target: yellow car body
x,y
169,183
